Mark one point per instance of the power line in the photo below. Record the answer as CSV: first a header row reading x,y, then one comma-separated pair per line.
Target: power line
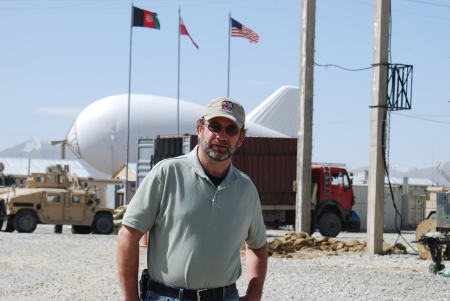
x,y
63,5
89,4
430,3
424,119
408,12
15,1
432,115
343,68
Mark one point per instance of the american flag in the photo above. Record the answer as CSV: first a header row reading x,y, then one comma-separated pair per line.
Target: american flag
x,y
239,30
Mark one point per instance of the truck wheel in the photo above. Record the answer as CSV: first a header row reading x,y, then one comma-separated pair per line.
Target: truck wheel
x,y
58,229
25,221
276,224
355,226
10,225
81,229
2,213
312,228
329,224
103,224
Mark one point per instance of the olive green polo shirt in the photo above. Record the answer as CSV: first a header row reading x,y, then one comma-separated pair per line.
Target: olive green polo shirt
x,y
196,229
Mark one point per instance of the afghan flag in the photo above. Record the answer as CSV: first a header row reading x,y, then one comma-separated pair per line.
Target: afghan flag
x,y
184,31
145,18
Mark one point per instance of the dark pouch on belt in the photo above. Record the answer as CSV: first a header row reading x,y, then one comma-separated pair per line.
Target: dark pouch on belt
x,y
143,283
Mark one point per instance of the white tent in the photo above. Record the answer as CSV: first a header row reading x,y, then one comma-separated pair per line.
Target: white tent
x,y
279,111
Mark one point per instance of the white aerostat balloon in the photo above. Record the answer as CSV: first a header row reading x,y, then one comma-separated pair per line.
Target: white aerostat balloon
x,y
99,134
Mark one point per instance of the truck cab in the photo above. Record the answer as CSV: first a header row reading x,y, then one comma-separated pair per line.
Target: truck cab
x,y
332,200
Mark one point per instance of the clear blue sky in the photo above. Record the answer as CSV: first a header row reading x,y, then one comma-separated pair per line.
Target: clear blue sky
x,y
58,56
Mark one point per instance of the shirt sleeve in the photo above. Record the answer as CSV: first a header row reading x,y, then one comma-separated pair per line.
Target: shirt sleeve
x,y
257,232
145,205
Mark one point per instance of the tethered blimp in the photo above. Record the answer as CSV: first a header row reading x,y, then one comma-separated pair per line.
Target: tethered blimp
x,y
99,134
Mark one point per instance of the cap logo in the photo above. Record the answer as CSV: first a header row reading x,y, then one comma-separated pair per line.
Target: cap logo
x,y
227,105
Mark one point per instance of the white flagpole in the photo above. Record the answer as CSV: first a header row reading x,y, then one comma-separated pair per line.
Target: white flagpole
x,y
125,196
229,42
178,82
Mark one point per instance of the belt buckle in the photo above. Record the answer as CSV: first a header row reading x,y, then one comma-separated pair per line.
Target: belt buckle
x,y
199,296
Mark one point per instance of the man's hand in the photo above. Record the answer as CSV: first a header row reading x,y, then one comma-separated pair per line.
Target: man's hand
x,y
256,262
128,261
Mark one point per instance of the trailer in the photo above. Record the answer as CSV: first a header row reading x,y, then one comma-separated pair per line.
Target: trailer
x,y
271,164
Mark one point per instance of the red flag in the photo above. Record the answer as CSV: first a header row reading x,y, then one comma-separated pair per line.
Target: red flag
x,y
183,31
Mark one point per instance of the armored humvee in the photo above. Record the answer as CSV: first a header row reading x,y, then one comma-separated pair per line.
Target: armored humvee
x,y
54,197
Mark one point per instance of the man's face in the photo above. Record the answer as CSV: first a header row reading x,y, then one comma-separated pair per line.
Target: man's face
x,y
217,140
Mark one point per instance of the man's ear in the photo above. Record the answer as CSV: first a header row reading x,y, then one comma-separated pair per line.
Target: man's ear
x,y
241,138
199,128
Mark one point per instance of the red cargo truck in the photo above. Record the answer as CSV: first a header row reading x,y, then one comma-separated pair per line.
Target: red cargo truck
x,y
271,164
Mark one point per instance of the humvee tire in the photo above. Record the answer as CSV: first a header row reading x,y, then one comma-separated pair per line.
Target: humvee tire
x,y
25,221
103,223
58,229
81,229
10,225
2,213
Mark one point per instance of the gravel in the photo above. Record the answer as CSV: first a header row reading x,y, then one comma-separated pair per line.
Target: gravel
x,y
48,266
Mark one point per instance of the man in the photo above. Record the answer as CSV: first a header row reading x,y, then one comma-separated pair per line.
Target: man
x,y
199,210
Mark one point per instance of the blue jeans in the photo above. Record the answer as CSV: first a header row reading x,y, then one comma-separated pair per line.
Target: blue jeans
x,y
152,296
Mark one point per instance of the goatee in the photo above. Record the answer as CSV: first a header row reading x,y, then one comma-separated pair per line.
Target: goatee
x,y
215,155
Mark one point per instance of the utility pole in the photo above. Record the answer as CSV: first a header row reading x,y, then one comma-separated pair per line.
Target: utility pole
x,y
375,211
304,139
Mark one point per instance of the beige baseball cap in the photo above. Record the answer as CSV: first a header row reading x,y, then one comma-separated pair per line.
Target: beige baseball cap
x,y
226,107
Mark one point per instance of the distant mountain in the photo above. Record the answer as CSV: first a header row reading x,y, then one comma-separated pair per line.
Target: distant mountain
x,y
36,149
438,175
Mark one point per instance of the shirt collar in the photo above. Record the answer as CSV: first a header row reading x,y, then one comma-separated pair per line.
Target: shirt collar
x,y
198,168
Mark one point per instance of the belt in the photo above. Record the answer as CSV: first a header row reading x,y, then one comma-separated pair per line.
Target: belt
x,y
210,294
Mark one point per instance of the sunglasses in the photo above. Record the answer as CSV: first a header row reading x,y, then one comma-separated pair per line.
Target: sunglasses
x,y
216,127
